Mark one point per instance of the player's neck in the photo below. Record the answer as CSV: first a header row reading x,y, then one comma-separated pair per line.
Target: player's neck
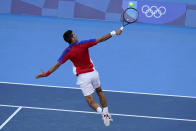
x,y
74,42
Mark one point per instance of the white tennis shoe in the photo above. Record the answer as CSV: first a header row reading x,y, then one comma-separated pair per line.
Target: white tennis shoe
x,y
106,118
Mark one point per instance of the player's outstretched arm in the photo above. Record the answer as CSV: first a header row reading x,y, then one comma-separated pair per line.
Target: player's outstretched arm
x,y
109,35
52,69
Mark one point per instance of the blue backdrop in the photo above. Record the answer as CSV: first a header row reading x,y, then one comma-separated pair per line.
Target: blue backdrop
x,y
109,10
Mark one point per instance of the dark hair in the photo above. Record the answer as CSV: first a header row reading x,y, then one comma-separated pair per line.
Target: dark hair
x,y
67,36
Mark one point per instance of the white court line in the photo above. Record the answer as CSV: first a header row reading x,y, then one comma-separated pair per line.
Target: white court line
x,y
114,91
88,112
19,108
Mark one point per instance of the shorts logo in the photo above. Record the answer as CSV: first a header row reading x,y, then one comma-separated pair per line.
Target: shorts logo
x,y
153,11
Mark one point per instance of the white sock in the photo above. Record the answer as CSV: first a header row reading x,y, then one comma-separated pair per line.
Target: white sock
x,y
99,110
105,110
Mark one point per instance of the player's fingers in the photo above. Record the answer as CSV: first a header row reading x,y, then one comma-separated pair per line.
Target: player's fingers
x,y
120,31
38,76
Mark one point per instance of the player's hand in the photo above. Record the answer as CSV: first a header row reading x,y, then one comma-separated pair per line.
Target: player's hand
x,y
118,32
40,75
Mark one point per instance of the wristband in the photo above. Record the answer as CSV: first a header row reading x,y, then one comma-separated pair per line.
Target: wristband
x,y
113,33
121,28
47,73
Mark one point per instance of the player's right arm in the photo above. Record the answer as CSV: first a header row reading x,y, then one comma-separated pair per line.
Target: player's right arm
x,y
52,69
109,35
63,58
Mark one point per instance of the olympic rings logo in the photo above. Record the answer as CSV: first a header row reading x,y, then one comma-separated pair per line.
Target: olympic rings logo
x,y
153,11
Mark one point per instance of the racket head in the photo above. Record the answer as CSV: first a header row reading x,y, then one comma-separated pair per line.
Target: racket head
x,y
130,15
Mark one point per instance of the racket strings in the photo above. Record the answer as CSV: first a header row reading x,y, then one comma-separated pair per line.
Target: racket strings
x,y
130,15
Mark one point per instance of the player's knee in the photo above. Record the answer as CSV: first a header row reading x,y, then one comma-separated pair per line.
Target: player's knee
x,y
99,90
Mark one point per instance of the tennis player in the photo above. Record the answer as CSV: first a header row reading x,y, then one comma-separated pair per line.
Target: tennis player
x,y
87,76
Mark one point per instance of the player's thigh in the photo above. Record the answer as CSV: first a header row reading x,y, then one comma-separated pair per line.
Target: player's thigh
x,y
87,89
96,80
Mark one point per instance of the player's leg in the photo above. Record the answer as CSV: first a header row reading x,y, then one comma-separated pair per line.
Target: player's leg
x,y
97,86
103,102
84,80
102,97
88,91
93,104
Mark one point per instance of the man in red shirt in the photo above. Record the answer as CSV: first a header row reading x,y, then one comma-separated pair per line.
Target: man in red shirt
x,y
88,78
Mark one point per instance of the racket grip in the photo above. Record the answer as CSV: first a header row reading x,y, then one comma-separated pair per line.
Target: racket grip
x,y
121,28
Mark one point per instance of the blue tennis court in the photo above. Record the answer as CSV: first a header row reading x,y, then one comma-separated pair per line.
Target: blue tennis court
x,y
54,108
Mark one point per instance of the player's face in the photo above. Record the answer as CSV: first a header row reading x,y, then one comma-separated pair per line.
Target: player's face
x,y
75,39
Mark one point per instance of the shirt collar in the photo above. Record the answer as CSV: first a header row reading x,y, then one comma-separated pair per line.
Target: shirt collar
x,y
73,44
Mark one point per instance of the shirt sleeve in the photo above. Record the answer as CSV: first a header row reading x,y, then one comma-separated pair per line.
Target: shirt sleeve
x,y
64,57
88,43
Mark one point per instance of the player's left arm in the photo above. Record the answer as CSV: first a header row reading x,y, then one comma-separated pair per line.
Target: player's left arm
x,y
52,69
109,35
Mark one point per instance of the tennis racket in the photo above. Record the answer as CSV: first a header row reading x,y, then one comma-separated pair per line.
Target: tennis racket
x,y
130,15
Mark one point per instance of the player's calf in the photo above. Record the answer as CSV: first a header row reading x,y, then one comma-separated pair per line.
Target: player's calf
x,y
102,97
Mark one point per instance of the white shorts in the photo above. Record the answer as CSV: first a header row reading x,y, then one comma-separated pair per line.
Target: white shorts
x,y
88,82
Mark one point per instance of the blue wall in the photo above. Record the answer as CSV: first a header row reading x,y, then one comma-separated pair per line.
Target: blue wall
x,y
191,18
109,10
176,1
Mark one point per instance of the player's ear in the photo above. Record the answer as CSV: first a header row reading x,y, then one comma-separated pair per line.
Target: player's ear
x,y
72,39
